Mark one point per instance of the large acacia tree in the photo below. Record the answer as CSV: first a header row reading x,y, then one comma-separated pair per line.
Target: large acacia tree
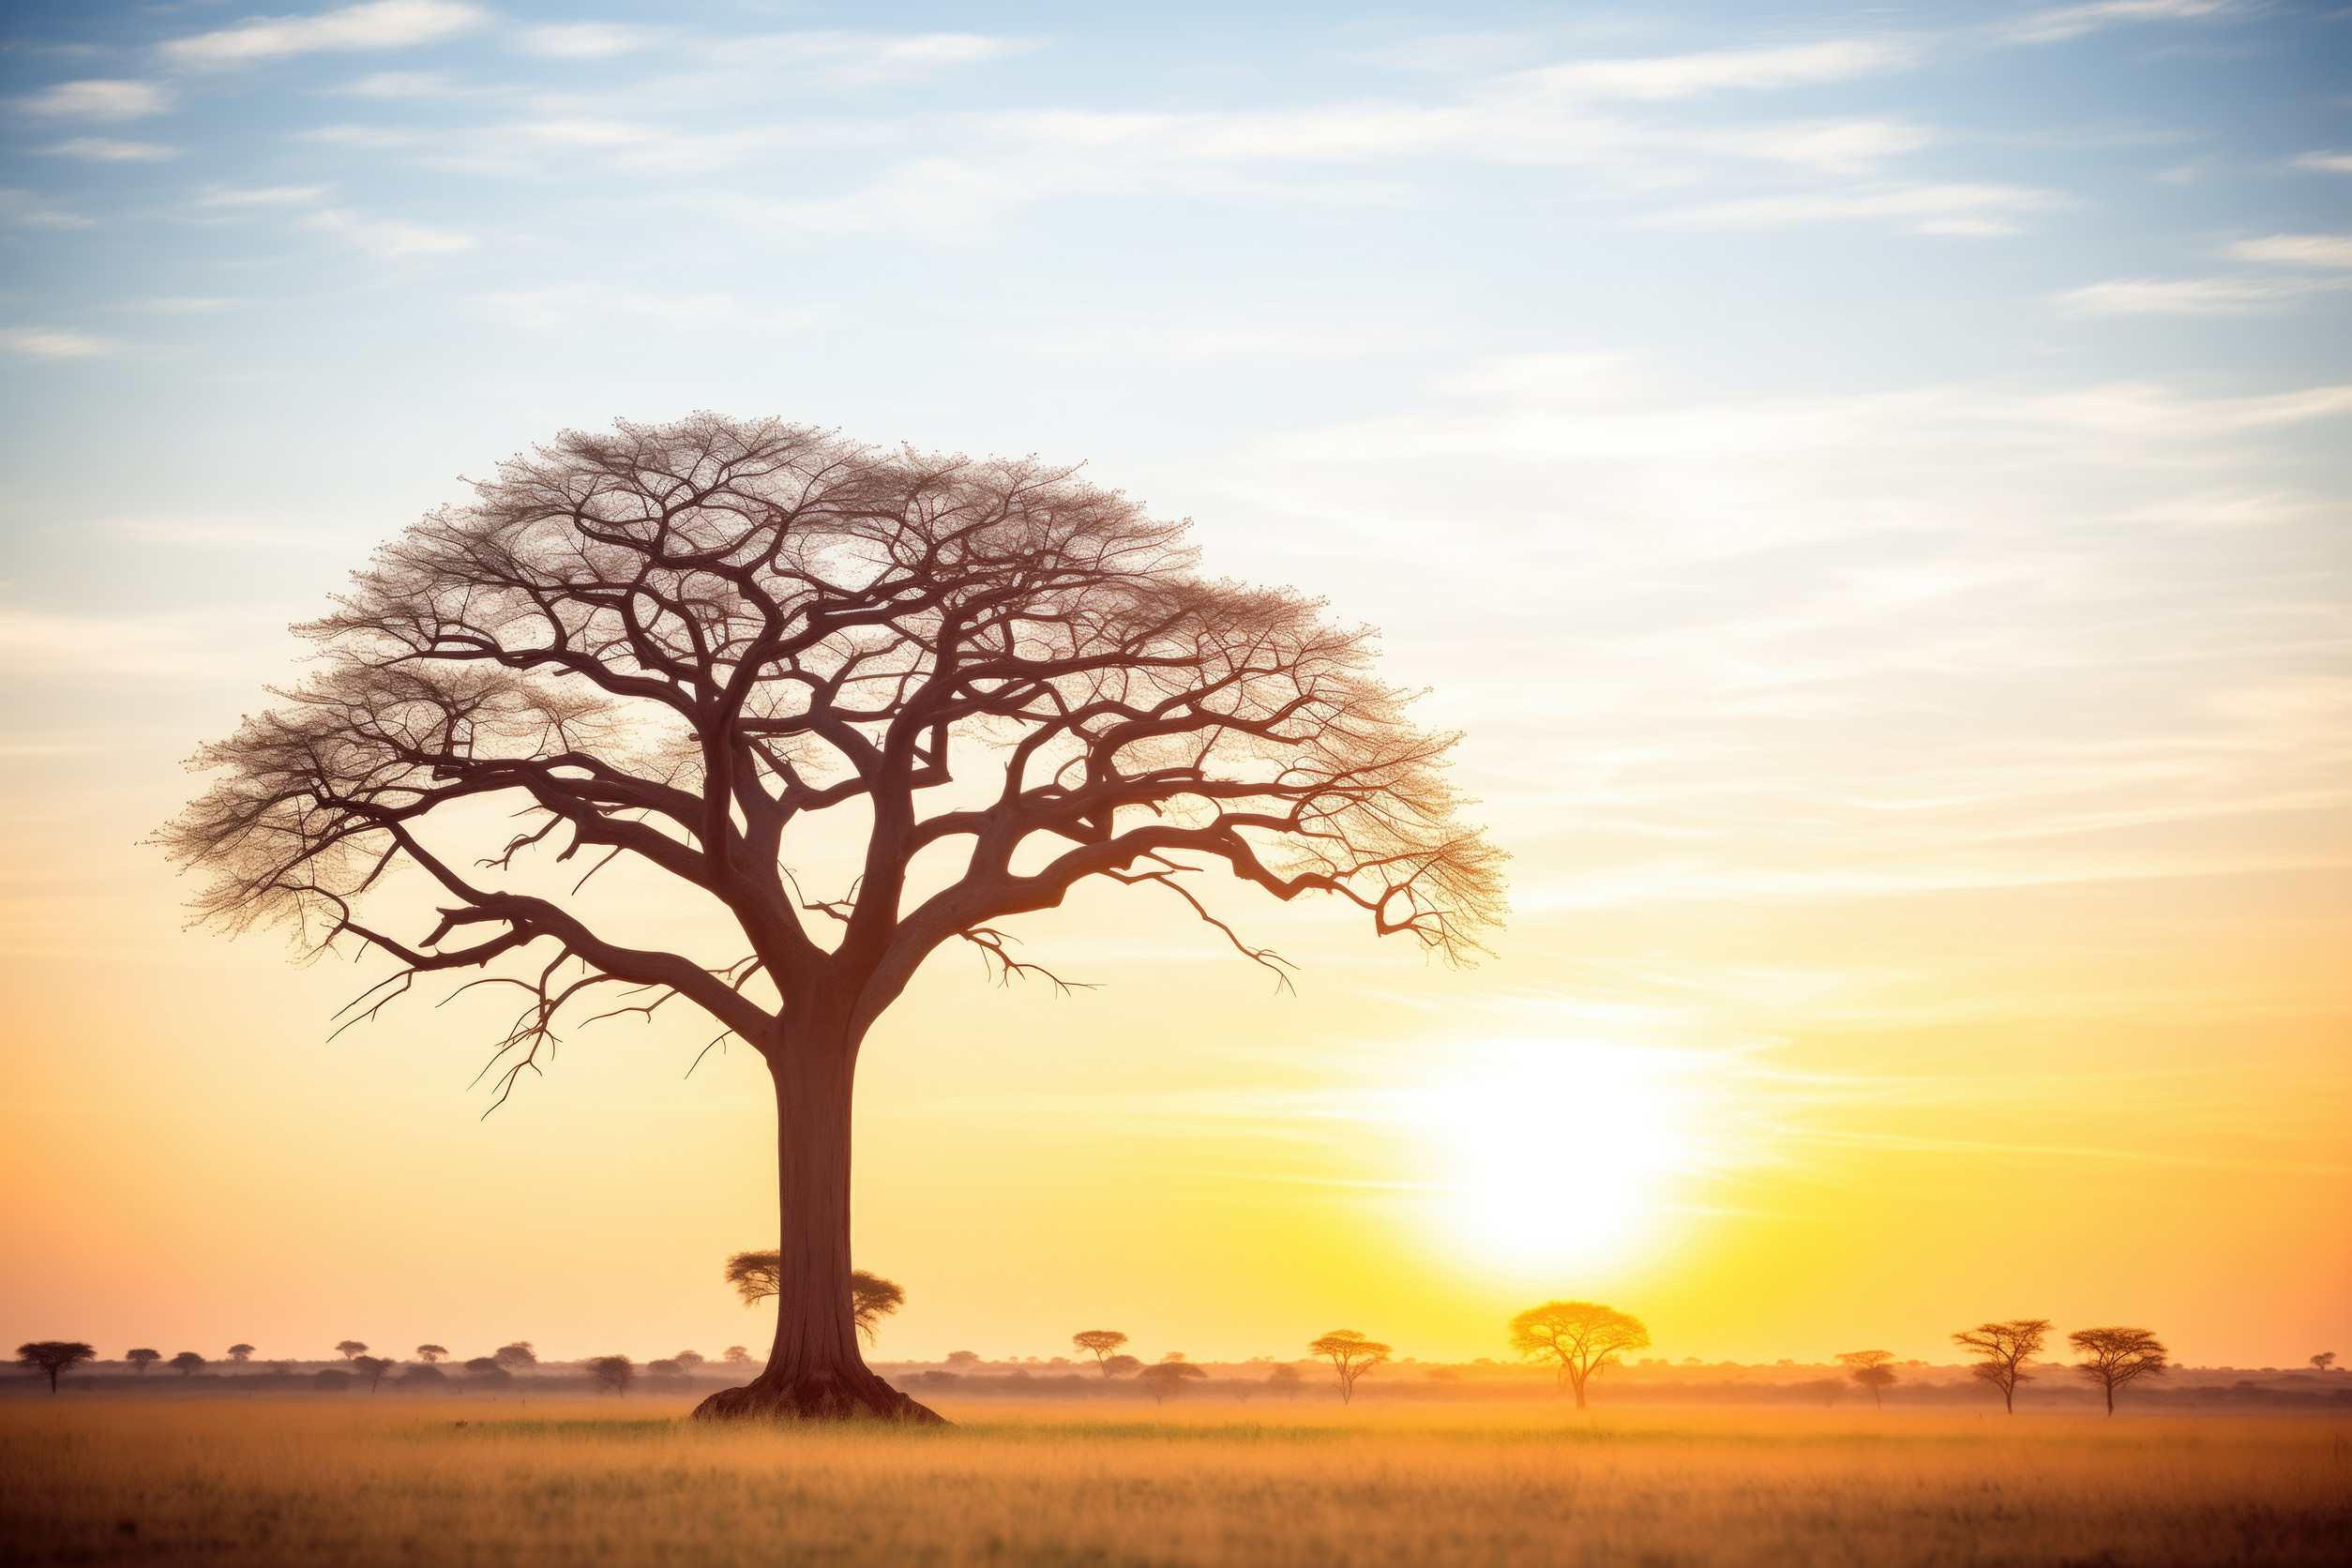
x,y
709,648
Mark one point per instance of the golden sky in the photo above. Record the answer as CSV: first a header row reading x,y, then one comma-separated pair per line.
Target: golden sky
x,y
1889,571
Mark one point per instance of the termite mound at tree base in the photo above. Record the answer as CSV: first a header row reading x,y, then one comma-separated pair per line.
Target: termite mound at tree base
x,y
817,1397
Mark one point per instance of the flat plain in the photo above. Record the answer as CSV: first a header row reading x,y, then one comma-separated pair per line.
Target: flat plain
x,y
363,1480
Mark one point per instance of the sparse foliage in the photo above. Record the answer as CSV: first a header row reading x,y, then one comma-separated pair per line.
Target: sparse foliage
x,y
2116,1357
758,1275
2002,1350
240,1352
1101,1344
188,1364
1870,1369
611,1374
518,1356
1581,1337
1352,1356
689,1359
349,1349
1166,1379
736,1355
50,1357
431,1354
142,1358
680,646
2323,1360
374,1368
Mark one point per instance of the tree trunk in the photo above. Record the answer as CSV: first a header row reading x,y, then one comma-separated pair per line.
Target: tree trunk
x,y
1576,1381
2111,1399
814,1372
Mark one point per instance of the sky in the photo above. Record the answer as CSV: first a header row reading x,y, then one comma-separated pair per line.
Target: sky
x,y
1870,486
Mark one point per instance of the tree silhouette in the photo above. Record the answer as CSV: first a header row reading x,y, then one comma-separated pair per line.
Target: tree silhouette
x,y
1581,1337
374,1368
1101,1344
348,1349
1121,1367
142,1359
53,1356
758,1275
240,1352
689,1359
2116,1357
611,1374
1870,1369
188,1362
2323,1360
736,1355
516,1356
1165,1380
429,1354
680,646
2002,1350
1351,1356
1285,1379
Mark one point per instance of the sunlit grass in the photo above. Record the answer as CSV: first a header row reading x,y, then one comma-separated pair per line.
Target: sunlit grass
x,y
364,1481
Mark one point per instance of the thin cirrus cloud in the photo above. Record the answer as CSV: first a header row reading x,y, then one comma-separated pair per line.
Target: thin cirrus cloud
x,y
1676,76
2320,250
388,237
2315,255
1965,209
585,41
2072,22
103,99
54,343
379,24
2334,163
105,149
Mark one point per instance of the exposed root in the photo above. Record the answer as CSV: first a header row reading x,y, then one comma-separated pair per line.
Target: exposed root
x,y
817,1397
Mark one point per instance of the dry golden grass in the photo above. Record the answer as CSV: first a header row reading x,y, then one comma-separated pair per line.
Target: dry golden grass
x,y
360,1482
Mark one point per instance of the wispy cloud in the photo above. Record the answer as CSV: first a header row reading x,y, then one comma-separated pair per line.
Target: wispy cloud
x,y
1964,209
96,100
1675,76
2072,22
2335,164
23,207
2193,296
585,41
259,196
105,149
862,59
379,24
2320,250
386,236
54,343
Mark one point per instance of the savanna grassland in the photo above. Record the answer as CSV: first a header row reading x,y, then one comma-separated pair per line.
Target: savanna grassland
x,y
366,1481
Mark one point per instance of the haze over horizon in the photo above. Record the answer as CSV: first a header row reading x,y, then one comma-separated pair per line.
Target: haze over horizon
x,y
1871,487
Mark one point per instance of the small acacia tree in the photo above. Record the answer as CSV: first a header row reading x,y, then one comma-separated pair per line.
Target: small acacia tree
x,y
240,1354
1870,1369
1582,1337
516,1357
50,1357
736,1355
349,1349
432,1354
1102,1344
1165,1380
142,1358
688,647
1352,1356
1287,1380
611,1374
2002,1350
759,1276
187,1363
2323,1360
374,1368
2113,1357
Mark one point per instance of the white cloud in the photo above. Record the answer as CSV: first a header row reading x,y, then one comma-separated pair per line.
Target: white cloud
x,y
22,206
96,100
401,85
390,237
861,59
264,196
54,343
1675,76
1840,146
585,41
1930,209
2072,22
105,149
2335,164
178,304
2322,250
379,24
2189,297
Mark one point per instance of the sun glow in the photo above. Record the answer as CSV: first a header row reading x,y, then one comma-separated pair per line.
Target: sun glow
x,y
1558,1153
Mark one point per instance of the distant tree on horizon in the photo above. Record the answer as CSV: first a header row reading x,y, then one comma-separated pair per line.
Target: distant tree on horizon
x,y
611,1374
1582,1337
142,1358
665,1370
1122,1366
1828,1390
516,1356
240,1352
429,1354
1870,1369
374,1368
187,1363
2002,1350
1352,1356
2323,1360
351,1349
50,1357
694,647
2118,1357
1286,1379
1102,1344
736,1355
759,1276
689,1359
1166,1379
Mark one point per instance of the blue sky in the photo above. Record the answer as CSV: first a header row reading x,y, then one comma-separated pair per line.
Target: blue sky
x,y
1870,483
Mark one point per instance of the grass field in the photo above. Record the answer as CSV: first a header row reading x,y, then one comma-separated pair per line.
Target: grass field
x,y
359,1480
